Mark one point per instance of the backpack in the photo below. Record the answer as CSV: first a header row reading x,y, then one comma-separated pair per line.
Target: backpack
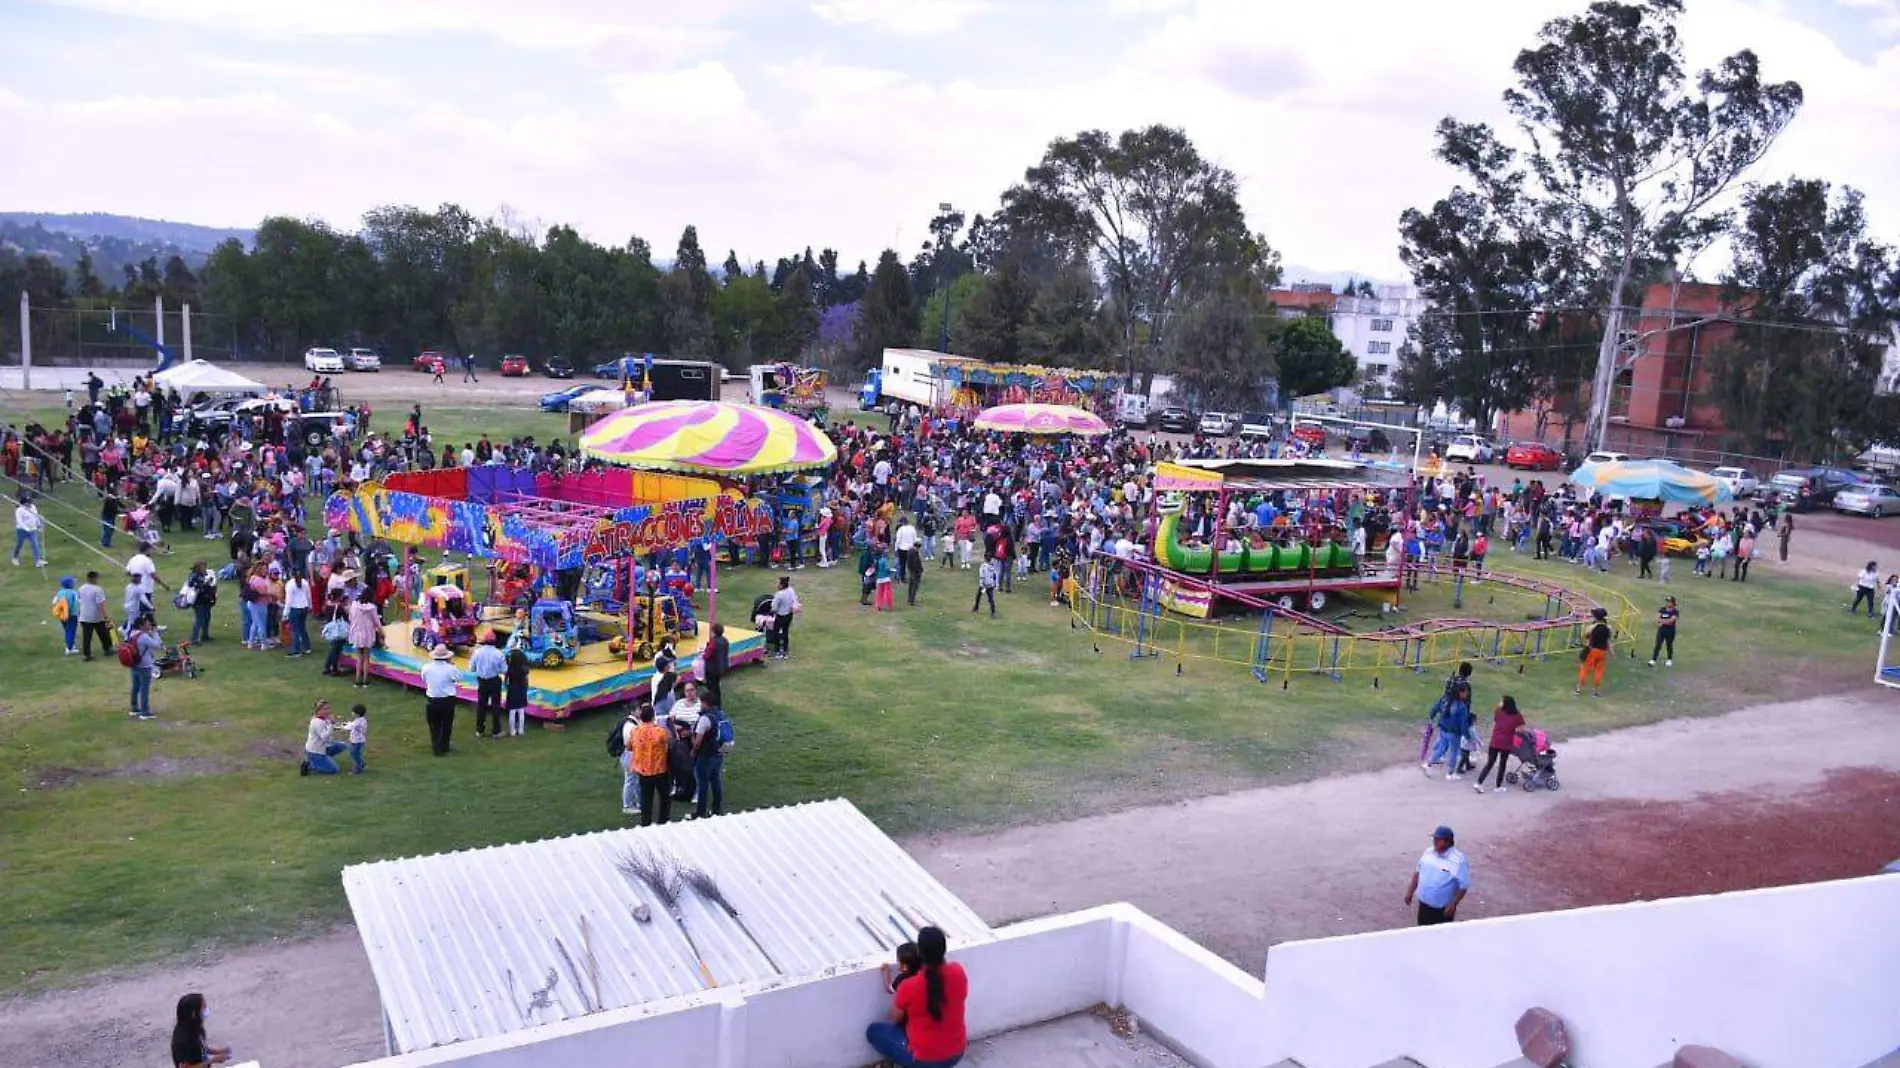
x,y
617,740
61,611
128,653
723,723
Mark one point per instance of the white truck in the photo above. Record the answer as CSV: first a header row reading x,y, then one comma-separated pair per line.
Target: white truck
x,y
916,376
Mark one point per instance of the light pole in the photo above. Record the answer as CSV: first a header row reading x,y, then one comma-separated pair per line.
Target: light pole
x,y
945,210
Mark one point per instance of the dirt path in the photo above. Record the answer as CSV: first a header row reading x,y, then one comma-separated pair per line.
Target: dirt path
x,y
1242,871
1678,807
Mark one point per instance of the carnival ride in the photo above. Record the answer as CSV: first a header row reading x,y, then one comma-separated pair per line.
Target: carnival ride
x,y
546,633
1541,618
1299,559
444,616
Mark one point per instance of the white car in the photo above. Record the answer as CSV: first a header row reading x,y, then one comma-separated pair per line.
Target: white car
x,y
362,360
1741,481
1219,424
323,361
1470,448
1606,458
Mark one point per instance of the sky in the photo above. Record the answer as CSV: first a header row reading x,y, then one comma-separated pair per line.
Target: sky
x,y
777,124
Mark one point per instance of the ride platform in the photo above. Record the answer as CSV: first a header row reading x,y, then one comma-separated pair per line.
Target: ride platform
x,y
1196,596
595,677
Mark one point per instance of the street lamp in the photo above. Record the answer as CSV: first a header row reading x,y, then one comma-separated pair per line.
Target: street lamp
x,y
943,282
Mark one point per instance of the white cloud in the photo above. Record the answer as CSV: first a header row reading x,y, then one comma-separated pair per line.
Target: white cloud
x,y
903,16
330,81
1144,7
1329,127
546,25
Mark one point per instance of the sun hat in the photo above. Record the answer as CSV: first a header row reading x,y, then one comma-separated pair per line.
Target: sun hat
x,y
441,652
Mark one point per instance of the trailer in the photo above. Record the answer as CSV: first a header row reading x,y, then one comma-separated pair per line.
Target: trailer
x,y
917,376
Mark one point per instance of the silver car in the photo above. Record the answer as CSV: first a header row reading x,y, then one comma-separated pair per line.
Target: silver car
x,y
1868,499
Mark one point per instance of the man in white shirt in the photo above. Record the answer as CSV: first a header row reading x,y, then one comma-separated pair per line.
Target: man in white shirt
x,y
141,568
910,559
784,606
439,677
992,508
92,617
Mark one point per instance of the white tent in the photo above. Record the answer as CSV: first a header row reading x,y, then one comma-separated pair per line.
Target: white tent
x,y
199,376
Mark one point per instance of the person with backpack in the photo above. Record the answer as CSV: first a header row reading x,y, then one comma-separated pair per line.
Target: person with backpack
x,y
1452,716
201,595
138,653
712,740
65,609
619,742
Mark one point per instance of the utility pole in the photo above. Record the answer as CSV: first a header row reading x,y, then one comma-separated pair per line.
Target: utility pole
x,y
26,341
943,282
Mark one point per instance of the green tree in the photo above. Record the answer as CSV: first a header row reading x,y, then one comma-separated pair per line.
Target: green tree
x,y
1065,324
1816,299
796,317
1309,357
1149,210
744,321
1627,156
86,283
1223,353
686,299
949,306
888,316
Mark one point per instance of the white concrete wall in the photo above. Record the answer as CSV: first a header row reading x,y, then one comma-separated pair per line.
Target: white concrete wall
x,y
1799,977
1794,977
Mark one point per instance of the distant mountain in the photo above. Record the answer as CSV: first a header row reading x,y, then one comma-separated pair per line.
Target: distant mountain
x,y
115,241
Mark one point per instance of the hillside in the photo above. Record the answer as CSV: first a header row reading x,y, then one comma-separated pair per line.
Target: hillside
x,y
115,240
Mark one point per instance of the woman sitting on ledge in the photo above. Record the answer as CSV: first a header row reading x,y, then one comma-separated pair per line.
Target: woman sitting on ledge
x,y
926,1025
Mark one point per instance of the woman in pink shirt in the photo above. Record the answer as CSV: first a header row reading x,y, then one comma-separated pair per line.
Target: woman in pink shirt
x,y
1744,549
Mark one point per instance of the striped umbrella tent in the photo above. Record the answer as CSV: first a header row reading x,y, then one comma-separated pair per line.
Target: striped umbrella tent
x,y
708,437
1652,480
1041,419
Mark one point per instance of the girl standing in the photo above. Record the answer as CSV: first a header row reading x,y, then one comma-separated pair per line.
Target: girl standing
x,y
516,698
366,623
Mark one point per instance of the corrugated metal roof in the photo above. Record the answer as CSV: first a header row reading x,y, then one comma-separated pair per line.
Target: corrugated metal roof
x,y
460,942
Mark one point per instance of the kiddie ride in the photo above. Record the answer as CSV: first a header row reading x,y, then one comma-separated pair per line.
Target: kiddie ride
x,y
445,616
1298,566
546,633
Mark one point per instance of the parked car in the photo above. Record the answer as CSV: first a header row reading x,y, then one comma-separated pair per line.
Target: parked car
x,y
1256,425
323,361
1805,488
1175,420
1533,456
1868,498
1219,424
1606,458
1469,448
1367,439
514,366
213,419
557,367
1312,435
1741,481
430,361
557,400
362,360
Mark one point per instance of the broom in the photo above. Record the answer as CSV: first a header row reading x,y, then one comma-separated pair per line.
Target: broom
x,y
708,888
665,882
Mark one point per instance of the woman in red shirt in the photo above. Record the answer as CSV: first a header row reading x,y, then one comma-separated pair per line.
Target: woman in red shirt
x,y
926,1025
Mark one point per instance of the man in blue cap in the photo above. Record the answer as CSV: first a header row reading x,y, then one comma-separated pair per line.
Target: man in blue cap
x,y
1442,879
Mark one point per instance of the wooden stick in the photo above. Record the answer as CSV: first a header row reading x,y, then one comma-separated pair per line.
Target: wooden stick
x,y
912,919
575,974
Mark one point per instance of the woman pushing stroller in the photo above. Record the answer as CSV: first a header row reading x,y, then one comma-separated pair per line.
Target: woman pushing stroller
x,y
1512,737
1506,723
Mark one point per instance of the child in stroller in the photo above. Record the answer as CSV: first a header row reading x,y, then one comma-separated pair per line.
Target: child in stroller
x,y
138,523
1536,761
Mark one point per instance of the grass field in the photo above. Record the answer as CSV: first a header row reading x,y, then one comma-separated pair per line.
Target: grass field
x,y
127,841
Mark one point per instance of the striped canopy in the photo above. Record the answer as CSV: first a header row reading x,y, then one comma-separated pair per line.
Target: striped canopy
x,y
1041,419
1652,480
708,437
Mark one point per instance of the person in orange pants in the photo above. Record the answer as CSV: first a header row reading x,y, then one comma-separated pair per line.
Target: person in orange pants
x,y
1596,653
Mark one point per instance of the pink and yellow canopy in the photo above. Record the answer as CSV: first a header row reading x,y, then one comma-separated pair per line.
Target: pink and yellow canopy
x,y
1041,419
708,437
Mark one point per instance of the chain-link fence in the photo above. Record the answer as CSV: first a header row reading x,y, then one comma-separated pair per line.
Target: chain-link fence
x,y
130,337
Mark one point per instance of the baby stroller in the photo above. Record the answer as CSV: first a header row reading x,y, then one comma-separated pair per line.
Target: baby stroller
x,y
138,523
1536,761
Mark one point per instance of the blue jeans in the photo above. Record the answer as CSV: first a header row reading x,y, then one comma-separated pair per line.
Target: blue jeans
x,y
28,537
889,1041
1446,748
629,785
105,534
141,691
356,755
709,777
200,621
71,623
333,660
299,630
324,763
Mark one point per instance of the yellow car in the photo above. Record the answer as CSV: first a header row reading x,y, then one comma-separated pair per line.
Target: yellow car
x,y
1676,538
